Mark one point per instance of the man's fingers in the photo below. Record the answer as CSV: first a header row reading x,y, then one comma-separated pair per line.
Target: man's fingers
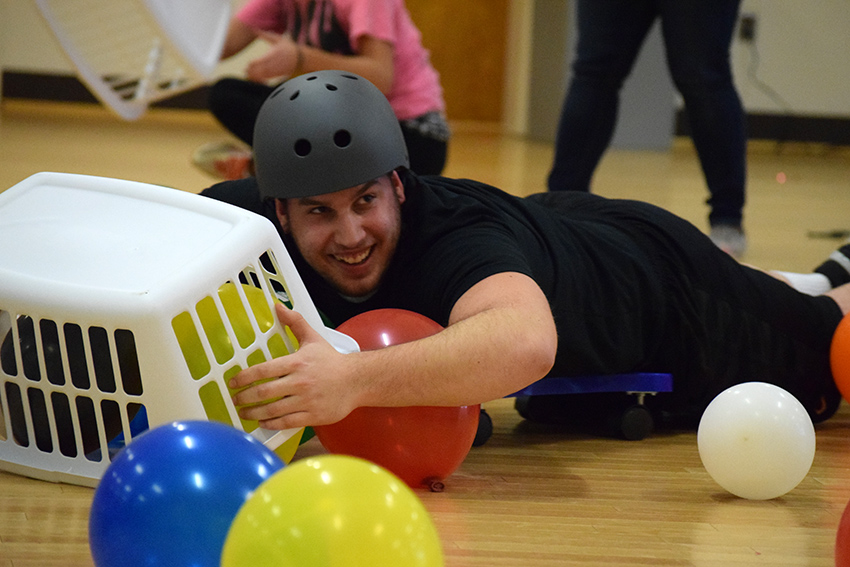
x,y
272,392
262,371
276,414
278,366
297,323
261,391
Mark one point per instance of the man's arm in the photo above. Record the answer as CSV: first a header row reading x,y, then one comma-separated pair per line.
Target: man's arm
x,y
501,337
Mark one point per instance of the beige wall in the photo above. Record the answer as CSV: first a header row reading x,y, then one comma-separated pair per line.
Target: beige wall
x,y
802,49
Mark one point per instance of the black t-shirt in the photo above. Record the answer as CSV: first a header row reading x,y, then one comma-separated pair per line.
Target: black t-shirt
x,y
632,287
602,290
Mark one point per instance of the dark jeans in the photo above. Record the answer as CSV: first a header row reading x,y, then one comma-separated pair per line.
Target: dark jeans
x,y
697,35
236,103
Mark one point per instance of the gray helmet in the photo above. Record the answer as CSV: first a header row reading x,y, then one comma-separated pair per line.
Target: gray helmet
x,y
323,132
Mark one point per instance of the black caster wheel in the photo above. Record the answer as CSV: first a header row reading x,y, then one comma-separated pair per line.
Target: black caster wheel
x,y
485,429
542,409
521,406
636,423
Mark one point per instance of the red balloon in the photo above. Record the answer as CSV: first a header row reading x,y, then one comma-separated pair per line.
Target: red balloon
x,y
839,357
421,445
842,540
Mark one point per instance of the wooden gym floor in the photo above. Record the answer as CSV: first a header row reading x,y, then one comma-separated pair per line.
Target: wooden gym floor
x,y
532,496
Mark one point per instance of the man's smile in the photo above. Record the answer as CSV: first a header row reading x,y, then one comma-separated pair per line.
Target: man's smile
x,y
354,258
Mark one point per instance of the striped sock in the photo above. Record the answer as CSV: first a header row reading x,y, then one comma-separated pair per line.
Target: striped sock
x,y
837,266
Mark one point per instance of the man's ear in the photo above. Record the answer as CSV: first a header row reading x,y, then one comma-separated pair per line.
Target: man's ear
x,y
281,208
398,186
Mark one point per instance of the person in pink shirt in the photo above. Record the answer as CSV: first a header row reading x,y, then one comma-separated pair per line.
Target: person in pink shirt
x,y
375,39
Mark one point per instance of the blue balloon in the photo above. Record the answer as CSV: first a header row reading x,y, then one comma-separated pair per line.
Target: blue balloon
x,y
169,497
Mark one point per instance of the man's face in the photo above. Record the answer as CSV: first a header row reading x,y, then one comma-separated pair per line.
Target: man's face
x,y
348,237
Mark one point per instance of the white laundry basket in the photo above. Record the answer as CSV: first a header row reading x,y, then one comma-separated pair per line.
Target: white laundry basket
x,y
131,53
124,306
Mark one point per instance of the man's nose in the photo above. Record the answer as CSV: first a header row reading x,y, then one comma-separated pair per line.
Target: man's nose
x,y
349,230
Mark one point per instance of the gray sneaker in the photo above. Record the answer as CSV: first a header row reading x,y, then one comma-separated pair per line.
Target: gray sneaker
x,y
730,239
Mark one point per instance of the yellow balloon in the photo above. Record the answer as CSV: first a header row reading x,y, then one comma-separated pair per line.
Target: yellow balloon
x,y
188,336
236,312
212,325
332,511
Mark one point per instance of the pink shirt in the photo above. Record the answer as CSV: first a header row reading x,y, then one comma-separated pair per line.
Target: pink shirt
x,y
337,25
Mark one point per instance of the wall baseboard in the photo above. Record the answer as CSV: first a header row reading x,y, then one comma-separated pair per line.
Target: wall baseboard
x,y
68,88
779,127
786,128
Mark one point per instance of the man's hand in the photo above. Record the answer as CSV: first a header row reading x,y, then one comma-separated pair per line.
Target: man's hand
x,y
281,60
501,337
307,387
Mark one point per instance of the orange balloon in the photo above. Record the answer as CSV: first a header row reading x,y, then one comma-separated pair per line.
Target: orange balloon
x,y
421,445
842,540
839,357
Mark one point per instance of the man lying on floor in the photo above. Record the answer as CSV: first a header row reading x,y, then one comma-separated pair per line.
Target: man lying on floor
x,y
565,283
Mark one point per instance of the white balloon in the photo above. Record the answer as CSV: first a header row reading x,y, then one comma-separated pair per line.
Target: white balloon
x,y
756,441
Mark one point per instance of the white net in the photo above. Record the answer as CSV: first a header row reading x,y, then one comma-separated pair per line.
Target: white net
x,y
131,53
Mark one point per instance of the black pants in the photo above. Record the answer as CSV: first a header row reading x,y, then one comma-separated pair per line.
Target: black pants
x,y
236,103
697,35
720,323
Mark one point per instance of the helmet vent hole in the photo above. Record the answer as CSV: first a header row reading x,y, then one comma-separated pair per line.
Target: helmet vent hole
x,y
303,147
342,138
294,95
331,87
